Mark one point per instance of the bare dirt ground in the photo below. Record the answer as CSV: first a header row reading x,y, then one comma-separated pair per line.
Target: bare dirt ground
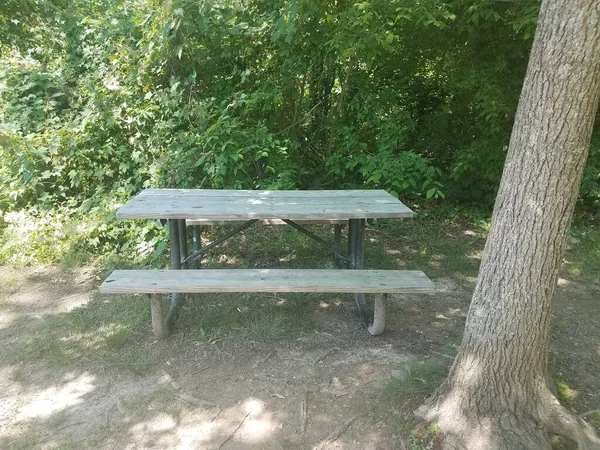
x,y
66,383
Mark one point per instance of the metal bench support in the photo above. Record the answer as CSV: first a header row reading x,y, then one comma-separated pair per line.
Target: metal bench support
x,y
356,243
378,325
181,260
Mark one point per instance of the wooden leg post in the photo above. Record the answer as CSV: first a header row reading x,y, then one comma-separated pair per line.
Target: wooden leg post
x,y
161,329
378,325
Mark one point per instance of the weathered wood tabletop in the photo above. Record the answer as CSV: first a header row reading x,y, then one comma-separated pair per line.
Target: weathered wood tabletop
x,y
231,205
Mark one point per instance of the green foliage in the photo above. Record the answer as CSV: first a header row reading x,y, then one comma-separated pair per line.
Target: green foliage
x,y
100,99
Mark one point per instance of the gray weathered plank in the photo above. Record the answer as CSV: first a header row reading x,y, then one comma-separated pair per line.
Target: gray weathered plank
x,y
269,222
222,205
365,193
266,280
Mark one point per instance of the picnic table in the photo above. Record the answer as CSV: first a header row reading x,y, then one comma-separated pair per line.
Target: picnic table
x,y
243,208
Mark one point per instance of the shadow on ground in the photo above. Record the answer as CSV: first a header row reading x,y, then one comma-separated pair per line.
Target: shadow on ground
x,y
81,370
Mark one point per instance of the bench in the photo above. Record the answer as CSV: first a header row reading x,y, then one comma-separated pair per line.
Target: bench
x,y
157,282
181,208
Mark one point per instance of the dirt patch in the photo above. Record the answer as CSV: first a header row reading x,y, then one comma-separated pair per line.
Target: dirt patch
x,y
329,385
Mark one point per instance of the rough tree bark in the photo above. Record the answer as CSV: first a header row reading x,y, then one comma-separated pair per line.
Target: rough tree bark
x,y
496,395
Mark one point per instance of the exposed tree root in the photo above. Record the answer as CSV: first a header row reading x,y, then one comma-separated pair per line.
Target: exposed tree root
x,y
464,429
566,424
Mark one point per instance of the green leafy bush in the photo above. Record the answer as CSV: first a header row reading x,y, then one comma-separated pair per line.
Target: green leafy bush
x,y
99,100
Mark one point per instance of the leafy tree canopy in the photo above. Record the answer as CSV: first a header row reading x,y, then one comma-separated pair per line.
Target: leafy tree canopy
x,y
101,98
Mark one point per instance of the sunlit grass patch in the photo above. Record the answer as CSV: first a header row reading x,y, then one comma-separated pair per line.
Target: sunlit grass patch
x,y
564,392
105,330
439,249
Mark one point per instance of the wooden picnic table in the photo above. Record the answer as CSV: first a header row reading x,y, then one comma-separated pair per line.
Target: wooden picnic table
x,y
294,208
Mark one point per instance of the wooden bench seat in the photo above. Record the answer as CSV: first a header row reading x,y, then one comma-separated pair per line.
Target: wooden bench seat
x,y
381,282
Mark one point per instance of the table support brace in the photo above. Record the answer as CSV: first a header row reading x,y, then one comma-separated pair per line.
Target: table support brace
x,y
333,248
220,240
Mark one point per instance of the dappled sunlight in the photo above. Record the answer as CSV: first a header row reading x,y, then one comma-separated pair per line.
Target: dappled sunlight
x,y
109,335
7,318
246,423
55,398
452,313
43,292
475,254
228,260
450,415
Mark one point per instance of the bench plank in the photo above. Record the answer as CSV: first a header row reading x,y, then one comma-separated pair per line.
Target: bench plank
x,y
268,222
208,204
266,280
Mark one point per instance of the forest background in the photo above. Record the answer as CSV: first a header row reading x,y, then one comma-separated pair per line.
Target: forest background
x,y
102,98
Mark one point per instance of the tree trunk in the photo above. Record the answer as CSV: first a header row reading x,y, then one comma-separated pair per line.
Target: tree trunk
x,y
496,395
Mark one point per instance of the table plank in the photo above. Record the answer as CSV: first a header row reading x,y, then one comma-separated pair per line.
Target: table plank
x,y
266,280
209,204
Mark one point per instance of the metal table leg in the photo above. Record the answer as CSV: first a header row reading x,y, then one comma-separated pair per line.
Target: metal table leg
x,y
337,240
177,244
183,253
197,244
376,328
163,325
356,237
356,240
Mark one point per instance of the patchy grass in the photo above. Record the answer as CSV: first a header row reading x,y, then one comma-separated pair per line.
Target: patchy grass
x,y
114,332
257,317
437,249
401,396
419,380
27,441
583,255
275,246
564,392
8,282
105,330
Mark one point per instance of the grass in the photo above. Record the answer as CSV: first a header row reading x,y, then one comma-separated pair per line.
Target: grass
x,y
439,249
582,260
247,316
421,378
7,283
564,392
109,327
115,331
399,398
28,440
104,330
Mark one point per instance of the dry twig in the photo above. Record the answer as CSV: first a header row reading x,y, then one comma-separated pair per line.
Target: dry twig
x,y
335,434
234,431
